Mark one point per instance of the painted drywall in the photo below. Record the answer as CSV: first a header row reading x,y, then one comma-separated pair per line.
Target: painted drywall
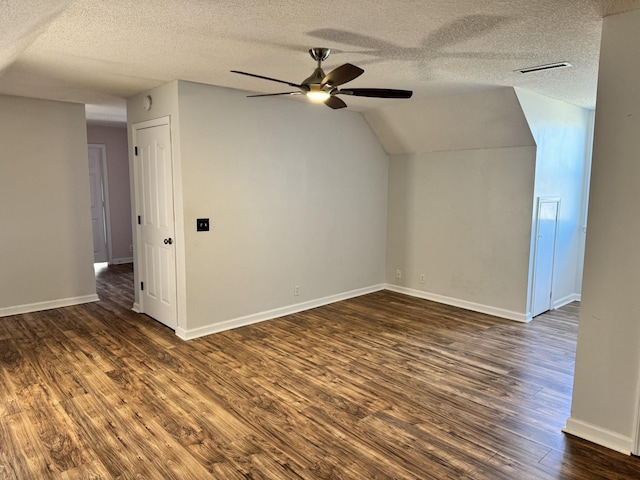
x,y
296,194
463,220
563,137
605,396
46,241
489,119
462,216
115,141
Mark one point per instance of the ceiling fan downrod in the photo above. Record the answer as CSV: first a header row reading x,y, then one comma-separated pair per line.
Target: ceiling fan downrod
x,y
319,55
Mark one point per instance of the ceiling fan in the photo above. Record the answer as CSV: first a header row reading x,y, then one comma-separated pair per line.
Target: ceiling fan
x,y
323,88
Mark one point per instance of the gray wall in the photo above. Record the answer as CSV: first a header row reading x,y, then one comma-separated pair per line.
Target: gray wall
x,y
46,243
460,200
296,194
605,395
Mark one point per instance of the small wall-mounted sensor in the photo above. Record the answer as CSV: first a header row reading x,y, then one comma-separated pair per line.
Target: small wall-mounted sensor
x,y
202,224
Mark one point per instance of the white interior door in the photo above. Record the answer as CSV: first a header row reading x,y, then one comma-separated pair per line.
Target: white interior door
x,y
99,218
154,204
544,256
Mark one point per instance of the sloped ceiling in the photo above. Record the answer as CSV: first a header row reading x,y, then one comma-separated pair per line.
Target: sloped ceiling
x,y
99,53
488,119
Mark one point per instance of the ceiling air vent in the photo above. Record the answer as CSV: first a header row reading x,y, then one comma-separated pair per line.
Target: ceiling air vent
x,y
549,66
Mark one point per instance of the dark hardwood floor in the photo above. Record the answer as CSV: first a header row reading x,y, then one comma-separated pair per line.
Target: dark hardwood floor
x,y
381,386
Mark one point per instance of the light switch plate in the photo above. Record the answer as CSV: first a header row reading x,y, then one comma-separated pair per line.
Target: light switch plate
x,y
202,225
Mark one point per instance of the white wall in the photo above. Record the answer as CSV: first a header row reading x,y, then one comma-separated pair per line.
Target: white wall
x,y
563,135
460,208
46,243
605,395
296,194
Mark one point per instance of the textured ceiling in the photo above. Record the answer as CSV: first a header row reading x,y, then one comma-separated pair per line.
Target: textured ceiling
x,y
100,52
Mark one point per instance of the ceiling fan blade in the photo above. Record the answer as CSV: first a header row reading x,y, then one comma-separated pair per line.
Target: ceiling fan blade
x,y
343,74
335,103
274,94
267,78
376,92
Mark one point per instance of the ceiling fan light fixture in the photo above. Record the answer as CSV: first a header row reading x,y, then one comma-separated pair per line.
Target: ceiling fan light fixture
x,y
317,94
321,88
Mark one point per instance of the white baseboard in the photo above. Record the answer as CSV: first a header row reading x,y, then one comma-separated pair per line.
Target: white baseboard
x,y
574,297
271,314
136,308
39,306
598,435
279,312
456,302
120,261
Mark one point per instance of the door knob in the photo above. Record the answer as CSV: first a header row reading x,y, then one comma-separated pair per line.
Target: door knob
x,y
168,241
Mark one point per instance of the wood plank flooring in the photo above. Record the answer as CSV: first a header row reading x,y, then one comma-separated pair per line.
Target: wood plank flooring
x,y
381,386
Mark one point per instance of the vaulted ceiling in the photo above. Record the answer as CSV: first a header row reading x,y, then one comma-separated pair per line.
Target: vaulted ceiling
x,y
101,52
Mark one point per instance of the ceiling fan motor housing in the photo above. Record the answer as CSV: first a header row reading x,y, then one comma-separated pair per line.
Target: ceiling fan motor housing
x,y
315,78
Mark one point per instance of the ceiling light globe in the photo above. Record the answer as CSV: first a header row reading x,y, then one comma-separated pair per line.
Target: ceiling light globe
x,y
318,95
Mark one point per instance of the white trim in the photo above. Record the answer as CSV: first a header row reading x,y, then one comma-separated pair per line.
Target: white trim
x,y
271,314
456,302
299,307
105,190
107,202
120,261
636,421
154,122
574,297
534,247
136,308
38,306
598,435
636,440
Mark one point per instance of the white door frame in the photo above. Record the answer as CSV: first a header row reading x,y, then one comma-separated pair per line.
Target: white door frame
x,y
105,189
636,434
542,200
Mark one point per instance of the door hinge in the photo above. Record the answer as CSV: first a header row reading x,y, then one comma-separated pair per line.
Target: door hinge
x,y
135,151
142,286
139,220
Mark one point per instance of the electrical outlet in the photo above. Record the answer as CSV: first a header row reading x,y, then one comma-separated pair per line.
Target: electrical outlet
x,y
296,290
422,278
398,274
131,248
